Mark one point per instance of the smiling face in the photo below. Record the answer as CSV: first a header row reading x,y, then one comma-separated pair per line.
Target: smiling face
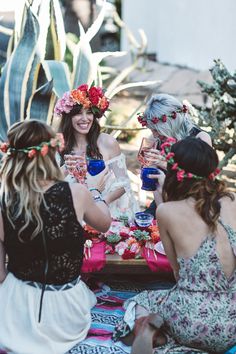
x,y
82,121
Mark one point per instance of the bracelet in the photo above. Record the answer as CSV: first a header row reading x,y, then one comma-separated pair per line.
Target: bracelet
x,y
98,198
95,189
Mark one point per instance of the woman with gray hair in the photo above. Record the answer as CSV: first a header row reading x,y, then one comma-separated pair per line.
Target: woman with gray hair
x,y
167,118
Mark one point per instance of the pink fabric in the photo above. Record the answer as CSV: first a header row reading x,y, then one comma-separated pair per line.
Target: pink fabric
x,y
158,264
97,260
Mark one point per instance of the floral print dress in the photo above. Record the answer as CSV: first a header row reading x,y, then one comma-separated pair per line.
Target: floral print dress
x,y
199,312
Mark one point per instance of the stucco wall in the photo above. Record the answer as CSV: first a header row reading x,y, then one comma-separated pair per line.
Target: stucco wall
x,y
185,32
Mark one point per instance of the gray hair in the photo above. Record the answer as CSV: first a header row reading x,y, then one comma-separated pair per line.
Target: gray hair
x,y
160,104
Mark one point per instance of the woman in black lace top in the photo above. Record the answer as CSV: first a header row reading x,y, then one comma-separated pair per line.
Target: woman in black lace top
x,y
41,233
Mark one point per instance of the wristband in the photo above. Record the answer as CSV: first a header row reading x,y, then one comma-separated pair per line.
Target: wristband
x,y
95,189
98,198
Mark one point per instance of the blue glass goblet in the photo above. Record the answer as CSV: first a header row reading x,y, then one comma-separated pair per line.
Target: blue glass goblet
x,y
149,184
95,167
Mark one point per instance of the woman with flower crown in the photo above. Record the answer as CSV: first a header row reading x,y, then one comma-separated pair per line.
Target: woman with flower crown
x,y
44,305
198,230
167,118
80,110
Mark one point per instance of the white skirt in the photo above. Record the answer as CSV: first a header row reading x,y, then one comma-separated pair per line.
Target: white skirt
x,y
65,319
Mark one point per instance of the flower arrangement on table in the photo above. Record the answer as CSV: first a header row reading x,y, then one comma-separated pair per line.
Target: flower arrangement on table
x,y
129,241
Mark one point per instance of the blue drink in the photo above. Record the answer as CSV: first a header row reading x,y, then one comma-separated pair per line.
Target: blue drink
x,y
149,184
95,167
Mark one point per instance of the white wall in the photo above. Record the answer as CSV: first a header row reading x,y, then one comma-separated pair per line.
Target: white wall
x,y
185,32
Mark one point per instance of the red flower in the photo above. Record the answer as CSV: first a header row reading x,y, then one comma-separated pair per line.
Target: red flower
x,y
155,120
4,147
144,123
133,228
169,155
83,87
94,95
185,108
124,234
32,153
128,254
164,118
174,115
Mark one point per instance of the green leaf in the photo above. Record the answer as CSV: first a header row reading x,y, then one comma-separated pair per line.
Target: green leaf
x,y
18,74
41,104
58,71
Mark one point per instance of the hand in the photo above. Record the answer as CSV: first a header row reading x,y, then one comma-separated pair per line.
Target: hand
x,y
153,157
160,177
72,161
98,181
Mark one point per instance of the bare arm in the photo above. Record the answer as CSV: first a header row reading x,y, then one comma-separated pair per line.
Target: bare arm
x,y
95,214
3,271
163,222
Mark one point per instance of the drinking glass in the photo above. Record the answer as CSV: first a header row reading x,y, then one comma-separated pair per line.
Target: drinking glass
x,y
146,145
149,184
76,165
95,167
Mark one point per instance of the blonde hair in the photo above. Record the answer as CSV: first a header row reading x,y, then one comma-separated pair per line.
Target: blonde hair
x,y
21,192
164,104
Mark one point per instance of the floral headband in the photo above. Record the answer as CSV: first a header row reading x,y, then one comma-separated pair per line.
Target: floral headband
x,y
180,172
92,98
142,118
31,151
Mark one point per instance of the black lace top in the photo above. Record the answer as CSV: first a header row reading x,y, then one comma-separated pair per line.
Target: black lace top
x,y
63,236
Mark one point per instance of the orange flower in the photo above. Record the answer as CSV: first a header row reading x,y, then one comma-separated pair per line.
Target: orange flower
x,y
103,103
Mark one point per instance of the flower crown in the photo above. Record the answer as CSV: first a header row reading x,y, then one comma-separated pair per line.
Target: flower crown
x,y
180,172
92,98
142,118
31,151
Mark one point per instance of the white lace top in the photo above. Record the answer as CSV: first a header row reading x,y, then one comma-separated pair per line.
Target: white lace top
x,y
126,204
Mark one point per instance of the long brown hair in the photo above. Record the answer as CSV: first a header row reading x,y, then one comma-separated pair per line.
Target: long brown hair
x,y
66,128
197,157
21,193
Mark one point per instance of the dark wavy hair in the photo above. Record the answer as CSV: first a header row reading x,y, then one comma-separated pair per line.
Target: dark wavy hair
x,y
66,128
196,156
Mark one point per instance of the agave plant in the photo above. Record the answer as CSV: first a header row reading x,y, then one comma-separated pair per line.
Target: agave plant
x,y
36,73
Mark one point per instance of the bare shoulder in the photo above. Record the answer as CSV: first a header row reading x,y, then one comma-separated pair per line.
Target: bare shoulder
x,y
110,144
164,210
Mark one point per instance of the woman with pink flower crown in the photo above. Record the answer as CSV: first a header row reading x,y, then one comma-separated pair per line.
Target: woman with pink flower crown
x,y
80,110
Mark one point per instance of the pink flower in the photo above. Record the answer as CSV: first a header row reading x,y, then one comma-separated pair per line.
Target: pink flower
x,y
169,155
32,153
4,147
44,150
64,104
175,166
180,175
121,247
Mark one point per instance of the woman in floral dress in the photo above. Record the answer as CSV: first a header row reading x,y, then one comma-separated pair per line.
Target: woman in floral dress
x,y
198,230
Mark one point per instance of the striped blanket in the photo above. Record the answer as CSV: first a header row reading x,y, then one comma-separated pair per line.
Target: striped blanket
x,y
107,313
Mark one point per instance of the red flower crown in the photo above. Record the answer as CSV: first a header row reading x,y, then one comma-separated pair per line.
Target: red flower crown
x,y
31,151
92,98
180,172
142,118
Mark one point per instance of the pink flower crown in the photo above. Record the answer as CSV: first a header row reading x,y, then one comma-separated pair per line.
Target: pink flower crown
x,y
31,151
142,118
92,98
180,172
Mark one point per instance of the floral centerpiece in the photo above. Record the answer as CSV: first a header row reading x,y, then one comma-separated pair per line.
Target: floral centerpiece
x,y
129,241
